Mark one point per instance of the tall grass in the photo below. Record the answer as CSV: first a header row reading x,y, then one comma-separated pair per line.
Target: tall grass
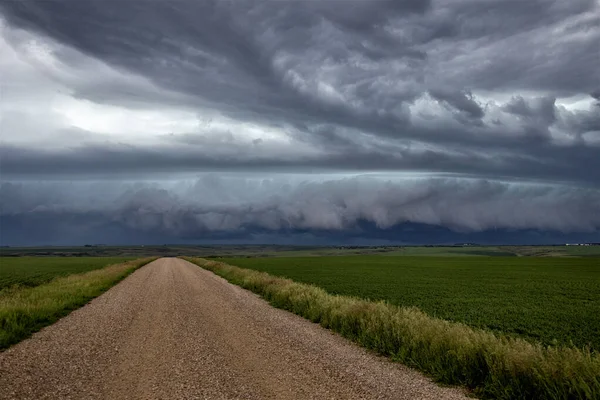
x,y
559,298
493,366
25,310
34,271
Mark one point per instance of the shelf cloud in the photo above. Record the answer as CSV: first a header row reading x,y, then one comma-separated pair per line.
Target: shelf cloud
x,y
191,121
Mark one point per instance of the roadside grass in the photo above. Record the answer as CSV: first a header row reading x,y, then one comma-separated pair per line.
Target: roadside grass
x,y
25,310
494,366
33,271
555,301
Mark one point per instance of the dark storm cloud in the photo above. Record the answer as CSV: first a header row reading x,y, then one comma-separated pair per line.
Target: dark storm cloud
x,y
461,101
578,164
269,61
490,91
213,206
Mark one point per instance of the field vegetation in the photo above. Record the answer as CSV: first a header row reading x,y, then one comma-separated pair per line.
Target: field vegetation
x,y
213,251
26,309
492,364
547,300
33,271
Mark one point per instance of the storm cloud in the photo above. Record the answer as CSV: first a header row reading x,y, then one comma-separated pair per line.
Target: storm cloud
x,y
464,115
233,207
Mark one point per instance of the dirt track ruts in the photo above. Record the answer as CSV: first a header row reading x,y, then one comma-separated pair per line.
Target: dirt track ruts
x,y
172,330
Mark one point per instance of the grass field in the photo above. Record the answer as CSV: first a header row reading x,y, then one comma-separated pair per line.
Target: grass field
x,y
550,300
298,251
33,271
494,366
26,309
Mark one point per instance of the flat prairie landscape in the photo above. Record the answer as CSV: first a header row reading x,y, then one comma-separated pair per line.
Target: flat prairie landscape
x,y
548,299
300,199
33,271
172,330
500,322
35,292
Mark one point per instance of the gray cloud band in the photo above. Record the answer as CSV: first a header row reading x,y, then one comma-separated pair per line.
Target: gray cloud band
x,y
229,204
489,90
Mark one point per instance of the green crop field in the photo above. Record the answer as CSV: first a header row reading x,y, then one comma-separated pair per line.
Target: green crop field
x,y
33,271
550,300
36,292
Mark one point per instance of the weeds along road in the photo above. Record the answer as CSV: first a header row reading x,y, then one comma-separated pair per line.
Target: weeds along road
x,y
172,330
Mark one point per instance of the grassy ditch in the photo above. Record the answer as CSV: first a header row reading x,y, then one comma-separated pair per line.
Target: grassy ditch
x,y
494,366
25,310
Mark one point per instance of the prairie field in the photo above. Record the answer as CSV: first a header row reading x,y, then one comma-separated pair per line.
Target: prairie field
x,y
39,291
234,251
33,271
548,300
494,365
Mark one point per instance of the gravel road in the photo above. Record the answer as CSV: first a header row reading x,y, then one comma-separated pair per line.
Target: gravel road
x,y
172,330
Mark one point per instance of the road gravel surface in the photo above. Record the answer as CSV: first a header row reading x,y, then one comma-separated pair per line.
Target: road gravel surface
x,y
172,330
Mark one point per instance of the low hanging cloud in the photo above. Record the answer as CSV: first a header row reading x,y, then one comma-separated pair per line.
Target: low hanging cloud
x,y
236,207
289,96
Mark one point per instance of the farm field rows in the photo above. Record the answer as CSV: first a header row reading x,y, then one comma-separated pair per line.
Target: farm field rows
x,y
33,271
550,300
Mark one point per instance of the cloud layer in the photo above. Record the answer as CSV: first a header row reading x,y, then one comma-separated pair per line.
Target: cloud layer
x,y
235,207
486,92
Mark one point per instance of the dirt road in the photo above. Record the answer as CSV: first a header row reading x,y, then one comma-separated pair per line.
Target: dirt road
x,y
172,330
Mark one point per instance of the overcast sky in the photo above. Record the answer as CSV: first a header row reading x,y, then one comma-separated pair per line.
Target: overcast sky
x,y
299,121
